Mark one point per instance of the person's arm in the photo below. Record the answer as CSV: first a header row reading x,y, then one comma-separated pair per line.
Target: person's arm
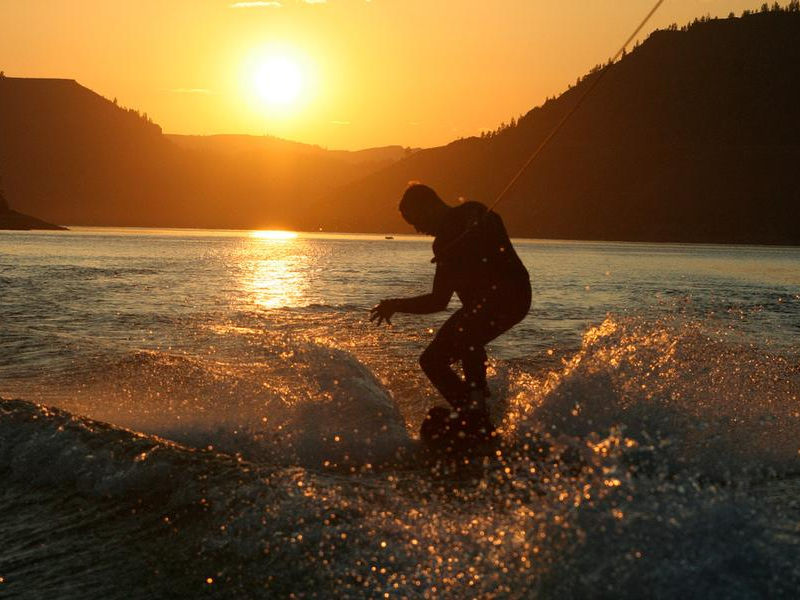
x,y
437,300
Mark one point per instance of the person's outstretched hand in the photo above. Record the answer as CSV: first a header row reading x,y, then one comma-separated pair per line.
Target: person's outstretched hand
x,y
383,311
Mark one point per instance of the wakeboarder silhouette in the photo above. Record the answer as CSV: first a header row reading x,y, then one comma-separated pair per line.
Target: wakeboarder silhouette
x,y
475,259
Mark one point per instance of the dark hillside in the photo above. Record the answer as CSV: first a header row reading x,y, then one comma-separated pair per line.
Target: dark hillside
x,y
270,147
72,156
693,136
11,219
65,151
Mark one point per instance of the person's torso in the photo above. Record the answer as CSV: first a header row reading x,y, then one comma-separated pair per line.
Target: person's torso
x,y
476,255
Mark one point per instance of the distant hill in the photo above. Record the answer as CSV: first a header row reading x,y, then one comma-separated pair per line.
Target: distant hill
x,y
692,137
11,219
72,156
268,146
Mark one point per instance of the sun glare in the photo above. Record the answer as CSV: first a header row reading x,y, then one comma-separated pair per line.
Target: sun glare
x,y
278,80
274,234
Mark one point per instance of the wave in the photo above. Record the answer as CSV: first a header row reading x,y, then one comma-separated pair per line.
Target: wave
x,y
285,402
660,456
46,446
698,400
691,398
220,527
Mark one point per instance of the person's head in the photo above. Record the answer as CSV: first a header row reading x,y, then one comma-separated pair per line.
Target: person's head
x,y
422,208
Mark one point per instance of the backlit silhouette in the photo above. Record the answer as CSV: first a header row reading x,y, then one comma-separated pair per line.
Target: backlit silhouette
x,y
474,259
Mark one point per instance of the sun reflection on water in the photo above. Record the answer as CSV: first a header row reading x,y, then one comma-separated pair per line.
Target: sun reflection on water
x,y
273,234
275,269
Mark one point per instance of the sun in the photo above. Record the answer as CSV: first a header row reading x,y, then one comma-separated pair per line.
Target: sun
x,y
278,80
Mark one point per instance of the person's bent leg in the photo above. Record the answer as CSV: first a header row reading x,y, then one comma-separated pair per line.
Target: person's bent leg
x,y
474,362
435,362
483,323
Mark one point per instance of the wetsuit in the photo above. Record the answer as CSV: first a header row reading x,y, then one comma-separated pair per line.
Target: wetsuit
x,y
475,259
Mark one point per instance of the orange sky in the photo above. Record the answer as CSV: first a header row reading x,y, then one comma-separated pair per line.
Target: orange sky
x,y
375,72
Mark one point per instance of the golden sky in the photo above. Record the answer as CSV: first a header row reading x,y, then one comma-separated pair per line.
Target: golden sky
x,y
368,72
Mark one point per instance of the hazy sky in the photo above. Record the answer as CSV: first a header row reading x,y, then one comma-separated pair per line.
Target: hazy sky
x,y
371,72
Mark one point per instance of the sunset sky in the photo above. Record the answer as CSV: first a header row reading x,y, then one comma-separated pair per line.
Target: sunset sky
x,y
340,73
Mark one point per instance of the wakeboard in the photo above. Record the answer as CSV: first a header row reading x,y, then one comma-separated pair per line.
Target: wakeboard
x,y
453,432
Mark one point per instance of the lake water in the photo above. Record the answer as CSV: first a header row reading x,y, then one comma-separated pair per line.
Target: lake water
x,y
217,417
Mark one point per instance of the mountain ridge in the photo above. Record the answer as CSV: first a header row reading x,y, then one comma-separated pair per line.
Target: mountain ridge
x,y
10,219
692,137
72,156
